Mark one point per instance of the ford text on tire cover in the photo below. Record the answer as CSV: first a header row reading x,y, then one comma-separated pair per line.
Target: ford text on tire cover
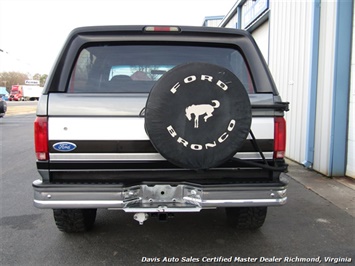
x,y
155,121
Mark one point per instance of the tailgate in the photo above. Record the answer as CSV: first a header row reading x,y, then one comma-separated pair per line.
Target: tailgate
x,y
110,128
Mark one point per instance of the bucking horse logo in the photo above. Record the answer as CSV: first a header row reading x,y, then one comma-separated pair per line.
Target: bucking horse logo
x,y
201,109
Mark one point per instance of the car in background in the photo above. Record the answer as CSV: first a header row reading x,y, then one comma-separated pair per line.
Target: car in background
x,y
5,97
3,107
4,94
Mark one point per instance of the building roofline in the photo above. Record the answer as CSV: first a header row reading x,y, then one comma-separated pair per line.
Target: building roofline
x,y
231,13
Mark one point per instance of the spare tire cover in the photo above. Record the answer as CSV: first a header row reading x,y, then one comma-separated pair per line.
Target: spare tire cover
x,y
198,115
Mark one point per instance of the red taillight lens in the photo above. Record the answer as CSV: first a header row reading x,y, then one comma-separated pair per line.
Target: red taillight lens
x,y
41,138
161,29
279,138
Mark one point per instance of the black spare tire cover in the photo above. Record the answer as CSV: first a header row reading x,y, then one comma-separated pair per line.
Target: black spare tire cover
x,y
198,115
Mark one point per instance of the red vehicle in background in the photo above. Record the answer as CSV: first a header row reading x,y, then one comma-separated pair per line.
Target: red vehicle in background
x,y
25,93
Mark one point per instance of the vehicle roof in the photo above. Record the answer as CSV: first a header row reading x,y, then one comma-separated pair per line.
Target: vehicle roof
x,y
140,28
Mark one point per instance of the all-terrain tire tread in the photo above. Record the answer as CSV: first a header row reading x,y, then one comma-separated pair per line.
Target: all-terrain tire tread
x,y
246,217
74,220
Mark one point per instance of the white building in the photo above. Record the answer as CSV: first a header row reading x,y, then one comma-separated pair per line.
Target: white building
x,y
212,21
308,46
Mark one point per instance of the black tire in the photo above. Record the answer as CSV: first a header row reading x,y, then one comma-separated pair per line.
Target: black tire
x,y
74,220
3,107
246,217
198,115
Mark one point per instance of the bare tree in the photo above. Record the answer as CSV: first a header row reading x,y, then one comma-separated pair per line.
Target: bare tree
x,y
7,79
41,77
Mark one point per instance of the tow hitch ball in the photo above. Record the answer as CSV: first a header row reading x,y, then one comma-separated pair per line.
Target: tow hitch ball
x,y
141,217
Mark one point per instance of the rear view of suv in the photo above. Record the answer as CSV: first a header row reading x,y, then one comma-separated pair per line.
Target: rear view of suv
x,y
160,120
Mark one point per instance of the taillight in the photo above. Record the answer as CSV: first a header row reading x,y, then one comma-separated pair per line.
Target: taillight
x,y
279,138
41,138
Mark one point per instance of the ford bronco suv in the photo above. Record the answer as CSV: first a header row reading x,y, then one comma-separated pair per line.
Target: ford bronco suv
x,y
158,120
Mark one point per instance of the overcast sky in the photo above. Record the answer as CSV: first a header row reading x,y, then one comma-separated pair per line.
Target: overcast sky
x,y
32,32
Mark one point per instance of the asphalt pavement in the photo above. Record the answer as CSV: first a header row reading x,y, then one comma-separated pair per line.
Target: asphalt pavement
x,y
315,227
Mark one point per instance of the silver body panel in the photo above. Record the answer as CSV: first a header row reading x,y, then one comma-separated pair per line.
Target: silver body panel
x,y
106,104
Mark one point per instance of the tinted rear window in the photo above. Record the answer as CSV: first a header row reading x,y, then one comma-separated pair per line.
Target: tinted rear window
x,y
135,68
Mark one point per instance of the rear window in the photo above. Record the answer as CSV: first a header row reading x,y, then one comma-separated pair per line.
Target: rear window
x,y
135,68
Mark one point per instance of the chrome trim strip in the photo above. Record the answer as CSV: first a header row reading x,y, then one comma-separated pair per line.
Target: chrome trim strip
x,y
119,205
106,157
72,204
243,202
253,155
136,156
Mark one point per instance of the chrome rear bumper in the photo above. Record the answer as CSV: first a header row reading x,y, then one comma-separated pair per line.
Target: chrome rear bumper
x,y
183,197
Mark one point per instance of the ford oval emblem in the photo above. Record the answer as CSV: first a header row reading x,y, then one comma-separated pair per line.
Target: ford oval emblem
x,y
64,146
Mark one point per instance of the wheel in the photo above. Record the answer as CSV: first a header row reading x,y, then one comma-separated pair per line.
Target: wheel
x,y
3,107
74,220
246,217
198,115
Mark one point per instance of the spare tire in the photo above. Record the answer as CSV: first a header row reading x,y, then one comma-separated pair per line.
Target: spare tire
x,y
198,115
